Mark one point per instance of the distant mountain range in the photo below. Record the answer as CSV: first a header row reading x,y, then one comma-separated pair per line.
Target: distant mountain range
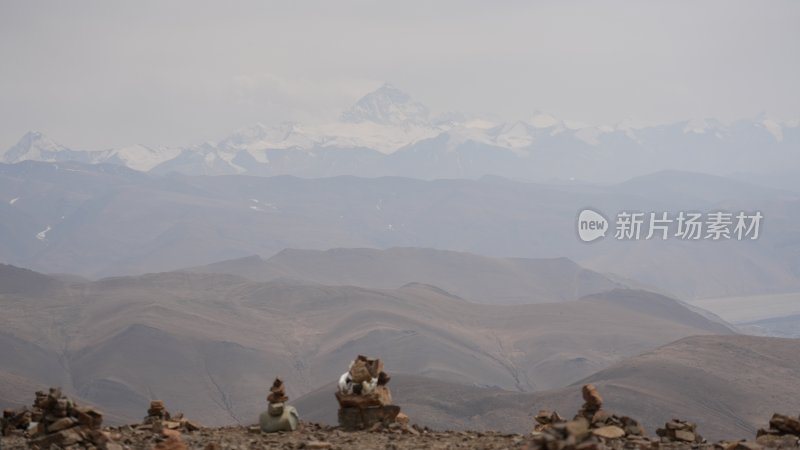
x,y
388,133
101,220
491,280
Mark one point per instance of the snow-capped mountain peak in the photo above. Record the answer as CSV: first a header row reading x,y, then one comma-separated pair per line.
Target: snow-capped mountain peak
x,y
701,126
259,135
542,120
387,126
33,146
142,158
773,127
387,106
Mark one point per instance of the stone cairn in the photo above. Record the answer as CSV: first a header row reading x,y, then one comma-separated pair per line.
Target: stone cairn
x,y
57,421
159,419
783,432
24,420
156,411
365,402
591,428
166,428
279,416
677,430
277,393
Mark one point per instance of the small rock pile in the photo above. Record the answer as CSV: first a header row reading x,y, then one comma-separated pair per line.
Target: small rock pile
x,y
604,424
156,411
364,399
783,432
164,428
593,402
677,430
277,393
159,418
591,428
24,420
279,416
15,422
64,424
545,419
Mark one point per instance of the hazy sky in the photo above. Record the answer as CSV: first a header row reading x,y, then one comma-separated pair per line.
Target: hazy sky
x,y
98,74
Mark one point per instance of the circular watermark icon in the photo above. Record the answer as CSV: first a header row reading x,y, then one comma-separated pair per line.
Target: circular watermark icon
x,y
591,225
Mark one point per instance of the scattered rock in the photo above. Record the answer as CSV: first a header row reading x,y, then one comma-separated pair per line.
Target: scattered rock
x,y
15,420
578,428
544,419
402,419
678,430
171,443
158,419
745,445
65,425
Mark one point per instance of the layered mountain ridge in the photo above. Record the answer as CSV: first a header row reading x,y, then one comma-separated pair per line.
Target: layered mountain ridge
x,y
387,132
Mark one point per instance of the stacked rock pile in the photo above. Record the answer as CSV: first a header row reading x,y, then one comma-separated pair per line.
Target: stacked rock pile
x,y
158,418
66,425
24,420
279,416
591,428
156,411
364,399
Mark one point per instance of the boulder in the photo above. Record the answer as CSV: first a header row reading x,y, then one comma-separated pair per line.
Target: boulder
x,y
785,424
609,432
286,420
778,441
684,436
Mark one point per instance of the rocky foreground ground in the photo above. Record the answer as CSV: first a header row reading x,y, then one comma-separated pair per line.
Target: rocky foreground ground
x,y
56,422
313,436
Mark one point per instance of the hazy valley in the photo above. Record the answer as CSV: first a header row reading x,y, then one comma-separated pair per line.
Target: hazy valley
x,y
206,342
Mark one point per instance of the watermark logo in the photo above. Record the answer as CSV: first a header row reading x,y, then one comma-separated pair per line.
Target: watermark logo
x,y
684,225
591,225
